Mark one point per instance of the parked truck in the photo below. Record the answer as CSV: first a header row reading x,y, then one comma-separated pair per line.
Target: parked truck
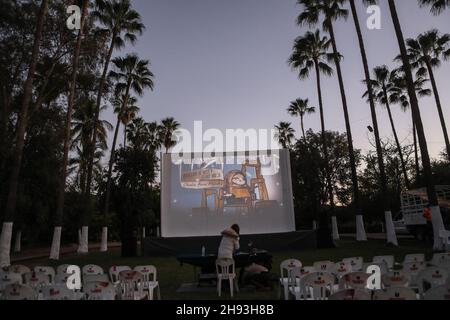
x,y
414,203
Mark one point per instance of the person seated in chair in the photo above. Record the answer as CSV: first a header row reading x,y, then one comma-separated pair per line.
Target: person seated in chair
x,y
230,242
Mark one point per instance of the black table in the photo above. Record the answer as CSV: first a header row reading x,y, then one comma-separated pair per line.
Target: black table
x,y
207,263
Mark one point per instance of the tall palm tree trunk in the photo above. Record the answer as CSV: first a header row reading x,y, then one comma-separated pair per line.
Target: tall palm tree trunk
x,y
113,152
397,141
351,151
324,236
437,221
5,239
391,237
303,128
439,107
56,242
416,152
91,153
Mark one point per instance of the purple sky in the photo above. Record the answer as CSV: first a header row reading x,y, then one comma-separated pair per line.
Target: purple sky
x,y
224,62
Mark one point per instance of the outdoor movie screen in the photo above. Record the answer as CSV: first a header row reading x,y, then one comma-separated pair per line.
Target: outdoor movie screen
x,y
201,196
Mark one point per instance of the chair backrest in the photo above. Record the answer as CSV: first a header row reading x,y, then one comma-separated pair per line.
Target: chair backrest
x,y
148,272
7,278
19,292
324,266
100,291
95,278
389,260
287,265
395,279
413,268
62,269
356,263
37,280
57,292
317,284
225,267
342,268
131,280
440,258
49,271
354,280
92,269
351,294
18,268
438,293
418,257
307,270
114,272
431,277
395,294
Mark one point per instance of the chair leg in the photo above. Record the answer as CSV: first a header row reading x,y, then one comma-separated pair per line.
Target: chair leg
x,y
231,286
219,287
159,293
286,292
236,285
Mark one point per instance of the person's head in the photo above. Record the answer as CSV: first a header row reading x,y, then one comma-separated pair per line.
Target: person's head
x,y
236,228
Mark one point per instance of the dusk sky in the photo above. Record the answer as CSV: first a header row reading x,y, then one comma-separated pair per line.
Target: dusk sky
x,y
225,63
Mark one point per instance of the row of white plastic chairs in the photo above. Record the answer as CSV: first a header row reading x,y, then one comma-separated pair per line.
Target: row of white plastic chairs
x,y
19,282
325,278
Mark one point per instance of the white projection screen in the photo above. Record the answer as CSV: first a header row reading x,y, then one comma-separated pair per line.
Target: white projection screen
x,y
202,195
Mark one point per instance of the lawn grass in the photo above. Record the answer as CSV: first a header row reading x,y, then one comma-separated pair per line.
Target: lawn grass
x,y
171,275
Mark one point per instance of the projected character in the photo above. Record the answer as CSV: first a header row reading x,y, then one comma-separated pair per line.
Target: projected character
x,y
236,192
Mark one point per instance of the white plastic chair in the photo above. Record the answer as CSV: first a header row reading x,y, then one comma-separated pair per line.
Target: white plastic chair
x,y
438,293
431,277
37,280
286,268
7,278
341,269
20,269
440,258
100,291
388,260
395,294
412,270
225,271
324,266
19,292
114,272
57,292
356,263
354,280
150,280
444,235
92,269
351,294
418,257
131,283
319,285
49,271
395,279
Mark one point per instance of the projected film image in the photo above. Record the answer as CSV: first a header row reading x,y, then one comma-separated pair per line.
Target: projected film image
x,y
208,194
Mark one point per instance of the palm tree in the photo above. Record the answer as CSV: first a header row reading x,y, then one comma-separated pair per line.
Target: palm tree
x,y
122,23
437,6
438,224
5,239
56,242
285,134
130,73
127,115
425,53
168,127
399,95
383,86
311,52
300,108
333,10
